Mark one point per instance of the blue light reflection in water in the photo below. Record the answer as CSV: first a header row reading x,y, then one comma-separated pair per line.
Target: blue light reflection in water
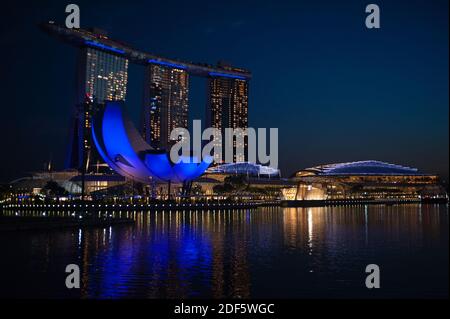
x,y
263,253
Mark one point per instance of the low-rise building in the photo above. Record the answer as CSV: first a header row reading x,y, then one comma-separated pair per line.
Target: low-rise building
x,y
363,180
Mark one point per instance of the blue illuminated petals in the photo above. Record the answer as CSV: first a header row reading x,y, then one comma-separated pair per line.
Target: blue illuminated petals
x,y
160,166
117,150
101,151
190,171
184,171
117,143
201,168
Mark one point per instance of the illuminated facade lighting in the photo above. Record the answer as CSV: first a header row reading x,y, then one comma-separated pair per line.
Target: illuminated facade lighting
x,y
167,64
104,47
100,76
363,180
225,75
227,107
166,104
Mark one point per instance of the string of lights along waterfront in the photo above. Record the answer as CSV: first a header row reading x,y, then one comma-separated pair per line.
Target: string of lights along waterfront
x,y
102,74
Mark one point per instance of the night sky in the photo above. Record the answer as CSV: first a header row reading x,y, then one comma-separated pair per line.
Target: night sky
x,y
336,90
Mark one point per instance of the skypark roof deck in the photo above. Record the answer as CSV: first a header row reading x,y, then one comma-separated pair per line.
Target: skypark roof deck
x,y
85,38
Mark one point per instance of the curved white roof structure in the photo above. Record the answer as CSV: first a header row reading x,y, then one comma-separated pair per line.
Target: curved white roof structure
x,y
245,168
369,167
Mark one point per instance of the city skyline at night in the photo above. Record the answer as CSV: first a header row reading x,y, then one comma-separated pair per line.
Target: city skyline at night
x,y
337,94
102,75
224,158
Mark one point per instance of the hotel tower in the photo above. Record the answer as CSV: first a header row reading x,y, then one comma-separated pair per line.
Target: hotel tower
x,y
227,107
165,105
102,74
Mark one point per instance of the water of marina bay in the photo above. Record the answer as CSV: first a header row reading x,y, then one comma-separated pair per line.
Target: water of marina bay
x,y
267,252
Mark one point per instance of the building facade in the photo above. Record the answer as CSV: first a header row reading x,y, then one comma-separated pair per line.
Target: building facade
x,y
227,107
101,76
363,180
166,104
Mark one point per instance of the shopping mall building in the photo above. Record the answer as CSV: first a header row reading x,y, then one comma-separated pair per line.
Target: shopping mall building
x,y
363,180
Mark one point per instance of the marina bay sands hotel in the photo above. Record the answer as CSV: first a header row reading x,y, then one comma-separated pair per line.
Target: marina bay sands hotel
x,y
102,74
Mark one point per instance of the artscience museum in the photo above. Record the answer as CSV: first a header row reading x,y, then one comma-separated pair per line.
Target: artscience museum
x,y
125,151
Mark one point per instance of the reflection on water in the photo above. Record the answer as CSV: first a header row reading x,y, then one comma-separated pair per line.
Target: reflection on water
x,y
268,252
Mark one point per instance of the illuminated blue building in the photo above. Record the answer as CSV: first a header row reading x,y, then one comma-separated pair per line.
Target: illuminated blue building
x,y
125,151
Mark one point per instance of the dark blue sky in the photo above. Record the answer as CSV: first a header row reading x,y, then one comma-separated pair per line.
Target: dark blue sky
x,y
336,90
